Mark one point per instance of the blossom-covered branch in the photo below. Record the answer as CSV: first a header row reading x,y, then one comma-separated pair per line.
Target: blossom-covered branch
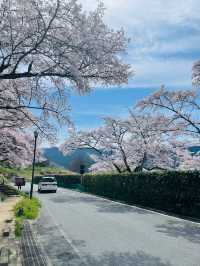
x,y
181,107
58,39
16,148
47,48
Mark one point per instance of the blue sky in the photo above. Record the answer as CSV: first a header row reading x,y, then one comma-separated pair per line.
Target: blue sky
x,y
89,110
165,38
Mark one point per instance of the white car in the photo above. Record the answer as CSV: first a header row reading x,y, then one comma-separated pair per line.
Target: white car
x,y
47,183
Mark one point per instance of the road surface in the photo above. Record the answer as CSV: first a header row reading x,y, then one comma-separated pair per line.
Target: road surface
x,y
79,229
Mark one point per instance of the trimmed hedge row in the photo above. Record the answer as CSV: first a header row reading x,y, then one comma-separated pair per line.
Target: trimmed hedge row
x,y
66,181
171,191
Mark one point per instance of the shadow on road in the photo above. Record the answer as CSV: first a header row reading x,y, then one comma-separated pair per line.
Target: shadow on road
x,y
117,208
102,205
73,199
61,253
186,230
55,245
126,259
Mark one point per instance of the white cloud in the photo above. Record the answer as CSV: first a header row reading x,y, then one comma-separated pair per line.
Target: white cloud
x,y
134,12
165,37
154,73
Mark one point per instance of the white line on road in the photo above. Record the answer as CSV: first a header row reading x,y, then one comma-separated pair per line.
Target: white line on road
x,y
67,238
133,206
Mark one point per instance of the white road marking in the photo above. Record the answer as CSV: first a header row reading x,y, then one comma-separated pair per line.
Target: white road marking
x,y
67,238
133,206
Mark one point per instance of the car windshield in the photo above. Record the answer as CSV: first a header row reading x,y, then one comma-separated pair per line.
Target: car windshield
x,y
48,179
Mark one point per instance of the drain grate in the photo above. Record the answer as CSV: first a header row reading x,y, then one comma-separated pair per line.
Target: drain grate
x,y
4,256
32,255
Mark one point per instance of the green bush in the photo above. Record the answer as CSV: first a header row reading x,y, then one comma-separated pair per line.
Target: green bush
x,y
30,208
172,191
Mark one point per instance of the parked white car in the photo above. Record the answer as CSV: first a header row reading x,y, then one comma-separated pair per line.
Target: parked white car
x,y
47,183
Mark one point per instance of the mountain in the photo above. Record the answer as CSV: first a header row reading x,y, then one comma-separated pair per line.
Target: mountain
x,y
72,161
75,159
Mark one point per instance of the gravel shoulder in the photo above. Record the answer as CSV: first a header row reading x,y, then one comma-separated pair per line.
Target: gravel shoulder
x,y
9,245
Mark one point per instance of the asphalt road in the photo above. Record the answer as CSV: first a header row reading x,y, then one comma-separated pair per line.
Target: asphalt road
x,y
80,229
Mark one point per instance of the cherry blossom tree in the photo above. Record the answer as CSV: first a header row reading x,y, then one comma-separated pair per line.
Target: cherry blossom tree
x,y
182,157
48,46
94,140
148,135
16,148
190,162
102,167
115,141
172,155
133,144
181,107
23,105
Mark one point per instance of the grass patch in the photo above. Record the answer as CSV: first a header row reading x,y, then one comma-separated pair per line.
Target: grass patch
x,y
30,207
27,172
18,226
25,209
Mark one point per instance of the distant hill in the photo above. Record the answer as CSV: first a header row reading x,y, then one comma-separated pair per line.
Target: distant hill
x,y
79,157
71,161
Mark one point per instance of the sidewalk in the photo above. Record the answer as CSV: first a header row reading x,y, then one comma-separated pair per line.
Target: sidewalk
x,y
9,245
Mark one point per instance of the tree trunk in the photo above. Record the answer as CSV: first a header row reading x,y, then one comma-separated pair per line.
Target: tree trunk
x,y
140,167
125,160
117,168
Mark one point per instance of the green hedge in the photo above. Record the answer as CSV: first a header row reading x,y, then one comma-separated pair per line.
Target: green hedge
x,y
176,192
66,181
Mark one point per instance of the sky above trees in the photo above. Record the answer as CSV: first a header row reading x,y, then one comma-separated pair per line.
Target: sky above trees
x,y
164,45
164,38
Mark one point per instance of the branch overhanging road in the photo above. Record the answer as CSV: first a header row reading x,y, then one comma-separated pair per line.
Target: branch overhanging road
x,y
78,229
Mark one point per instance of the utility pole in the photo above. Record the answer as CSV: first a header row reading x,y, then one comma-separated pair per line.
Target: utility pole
x,y
33,167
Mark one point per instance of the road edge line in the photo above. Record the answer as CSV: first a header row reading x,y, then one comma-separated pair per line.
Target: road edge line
x,y
67,238
134,206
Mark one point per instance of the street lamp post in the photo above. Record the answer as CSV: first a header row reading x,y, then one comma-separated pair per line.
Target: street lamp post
x,y
33,167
